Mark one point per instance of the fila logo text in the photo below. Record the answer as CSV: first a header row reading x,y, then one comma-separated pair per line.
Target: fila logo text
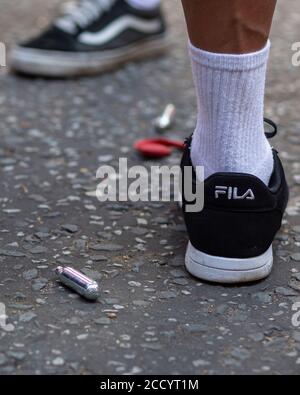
x,y
232,193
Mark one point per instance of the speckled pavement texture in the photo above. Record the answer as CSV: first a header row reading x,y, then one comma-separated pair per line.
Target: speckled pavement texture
x,y
152,317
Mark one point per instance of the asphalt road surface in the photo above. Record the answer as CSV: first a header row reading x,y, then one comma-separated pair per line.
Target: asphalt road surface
x,y
152,317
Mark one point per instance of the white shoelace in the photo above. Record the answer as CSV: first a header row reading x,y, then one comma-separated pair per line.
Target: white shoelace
x,y
82,14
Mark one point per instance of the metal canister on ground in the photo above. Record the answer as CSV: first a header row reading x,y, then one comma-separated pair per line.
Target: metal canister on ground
x,y
78,282
166,120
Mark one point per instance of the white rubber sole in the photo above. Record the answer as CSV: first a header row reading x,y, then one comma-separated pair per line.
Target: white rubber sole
x,y
71,64
227,270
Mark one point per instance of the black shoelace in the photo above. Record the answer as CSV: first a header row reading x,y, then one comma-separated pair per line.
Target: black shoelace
x,y
274,127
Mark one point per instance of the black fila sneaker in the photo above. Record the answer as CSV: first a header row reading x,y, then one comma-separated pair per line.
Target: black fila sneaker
x,y
231,238
94,36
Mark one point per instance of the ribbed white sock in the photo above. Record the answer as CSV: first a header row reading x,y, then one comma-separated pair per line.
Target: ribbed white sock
x,y
229,136
144,4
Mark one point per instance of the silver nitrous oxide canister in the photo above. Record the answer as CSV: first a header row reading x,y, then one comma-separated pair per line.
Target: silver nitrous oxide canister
x,y
78,282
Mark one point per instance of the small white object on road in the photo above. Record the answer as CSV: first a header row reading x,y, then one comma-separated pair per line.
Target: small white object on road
x,y
166,120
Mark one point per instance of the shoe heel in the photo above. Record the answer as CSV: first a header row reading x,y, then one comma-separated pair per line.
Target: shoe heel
x,y
228,270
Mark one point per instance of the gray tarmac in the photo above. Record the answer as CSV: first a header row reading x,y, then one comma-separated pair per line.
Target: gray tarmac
x,y
152,317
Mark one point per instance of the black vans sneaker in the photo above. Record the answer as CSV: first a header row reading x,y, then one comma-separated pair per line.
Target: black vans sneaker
x,y
231,238
92,37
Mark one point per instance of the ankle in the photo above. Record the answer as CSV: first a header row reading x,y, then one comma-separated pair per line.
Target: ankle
x,y
229,159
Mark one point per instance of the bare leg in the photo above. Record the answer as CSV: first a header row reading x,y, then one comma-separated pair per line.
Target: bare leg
x,y
229,49
229,26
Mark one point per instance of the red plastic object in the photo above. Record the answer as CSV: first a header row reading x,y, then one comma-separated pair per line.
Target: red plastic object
x,y
157,148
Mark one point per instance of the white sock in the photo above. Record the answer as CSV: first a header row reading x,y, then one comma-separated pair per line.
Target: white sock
x,y
144,4
229,136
